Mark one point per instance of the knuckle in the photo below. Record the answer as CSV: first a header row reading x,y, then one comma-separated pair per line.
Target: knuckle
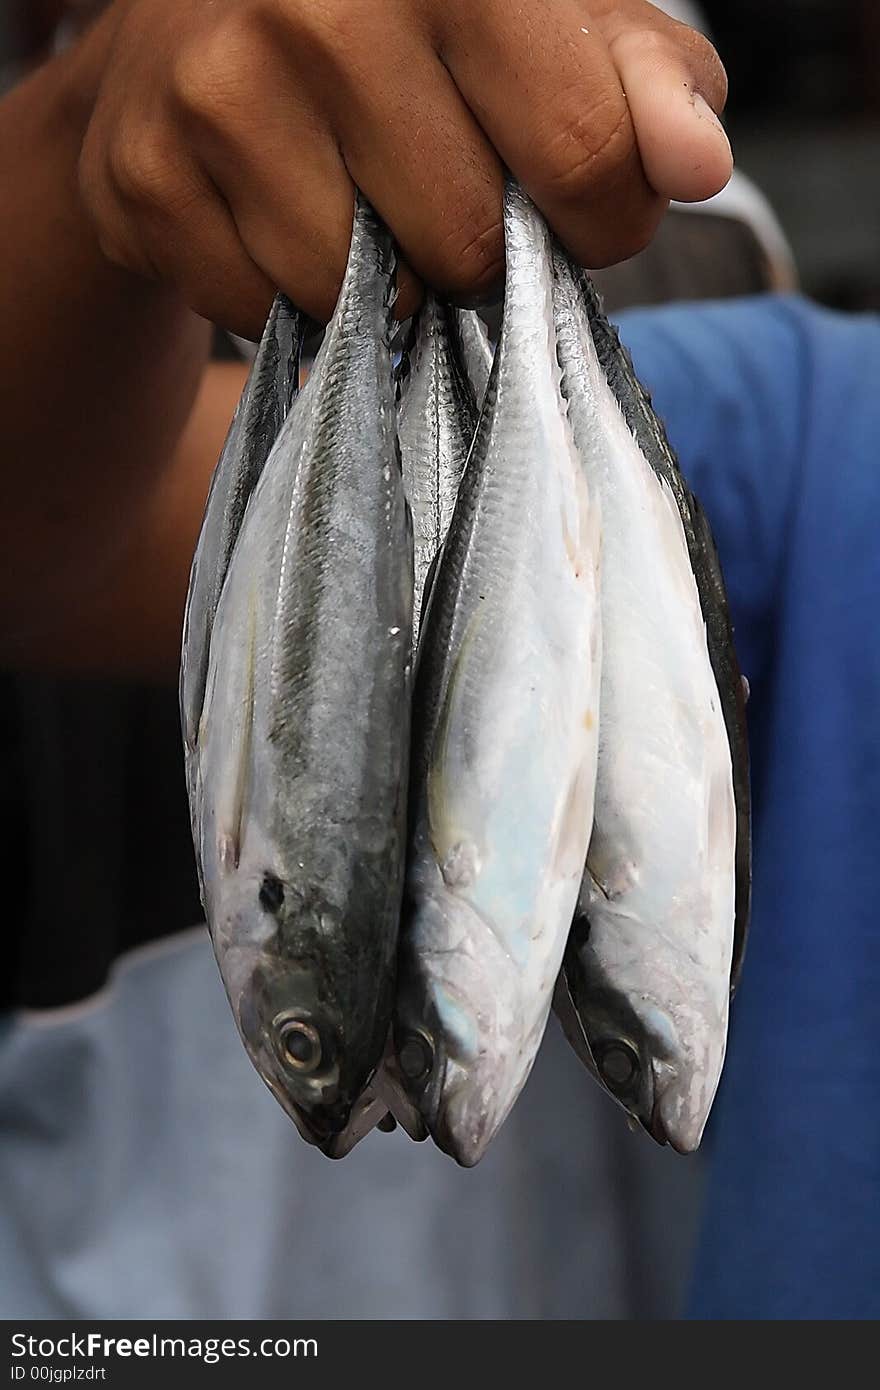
x,y
322,27
587,150
702,58
101,207
654,46
116,245
472,256
669,44
114,249
211,76
139,167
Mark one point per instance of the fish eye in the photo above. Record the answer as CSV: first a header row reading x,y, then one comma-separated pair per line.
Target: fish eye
x,y
416,1057
618,1064
271,893
300,1045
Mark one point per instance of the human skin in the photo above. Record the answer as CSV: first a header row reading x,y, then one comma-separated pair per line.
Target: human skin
x,y
193,157
226,139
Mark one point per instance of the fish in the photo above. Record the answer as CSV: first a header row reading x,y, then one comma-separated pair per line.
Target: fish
x,y
659,930
383,1104
504,744
304,737
268,394
474,351
437,416
441,382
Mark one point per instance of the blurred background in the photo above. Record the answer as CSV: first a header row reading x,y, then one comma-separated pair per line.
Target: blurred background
x,y
804,119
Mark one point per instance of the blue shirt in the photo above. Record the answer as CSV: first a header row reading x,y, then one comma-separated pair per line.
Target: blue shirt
x,y
774,408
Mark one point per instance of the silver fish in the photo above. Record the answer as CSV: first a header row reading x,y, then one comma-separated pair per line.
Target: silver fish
x,y
383,1104
474,351
437,417
505,734
643,994
303,744
441,384
442,377
267,397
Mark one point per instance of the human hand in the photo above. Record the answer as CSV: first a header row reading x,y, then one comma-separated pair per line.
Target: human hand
x,y
226,137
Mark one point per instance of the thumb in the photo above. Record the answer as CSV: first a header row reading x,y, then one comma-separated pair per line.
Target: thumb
x,y
675,85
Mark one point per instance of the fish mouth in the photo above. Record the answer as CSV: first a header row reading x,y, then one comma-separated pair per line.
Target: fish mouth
x,y
382,1104
327,1120
466,1152
388,1085
461,1131
319,1124
318,1120
308,1131
655,1126
682,1138
367,1112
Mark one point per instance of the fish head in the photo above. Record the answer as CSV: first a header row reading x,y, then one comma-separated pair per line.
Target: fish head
x,y
449,1091
293,1039
271,944
653,1037
460,1058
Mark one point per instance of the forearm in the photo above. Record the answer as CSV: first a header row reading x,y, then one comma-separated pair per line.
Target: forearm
x,y
131,627
99,371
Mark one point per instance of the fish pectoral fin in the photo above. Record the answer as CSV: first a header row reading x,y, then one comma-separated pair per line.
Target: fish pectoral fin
x,y
612,863
601,890
582,530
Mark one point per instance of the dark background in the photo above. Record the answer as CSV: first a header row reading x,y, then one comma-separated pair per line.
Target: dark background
x,y
804,119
